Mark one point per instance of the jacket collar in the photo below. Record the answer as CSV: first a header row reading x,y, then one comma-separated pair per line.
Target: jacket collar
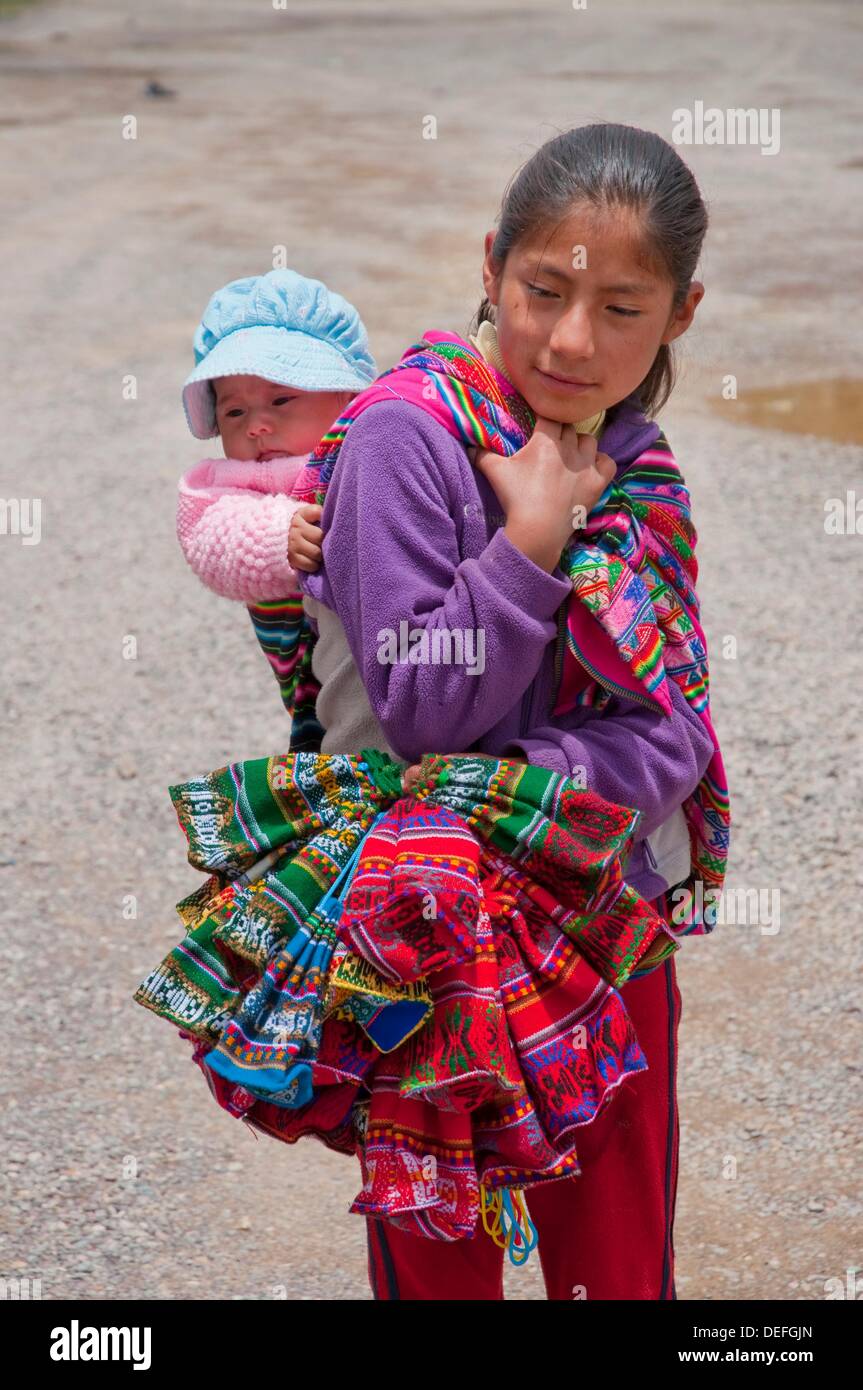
x,y
627,431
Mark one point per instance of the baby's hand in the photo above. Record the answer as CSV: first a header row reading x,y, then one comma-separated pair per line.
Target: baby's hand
x,y
305,538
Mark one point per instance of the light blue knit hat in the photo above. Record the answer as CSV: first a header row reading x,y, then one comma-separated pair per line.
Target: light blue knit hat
x,y
280,326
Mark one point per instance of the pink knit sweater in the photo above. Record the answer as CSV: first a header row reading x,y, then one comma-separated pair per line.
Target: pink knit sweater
x,y
232,523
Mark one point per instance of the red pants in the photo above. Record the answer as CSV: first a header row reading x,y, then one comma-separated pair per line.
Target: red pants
x,y
606,1234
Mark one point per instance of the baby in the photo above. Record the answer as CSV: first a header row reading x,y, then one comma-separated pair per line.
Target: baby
x,y
278,359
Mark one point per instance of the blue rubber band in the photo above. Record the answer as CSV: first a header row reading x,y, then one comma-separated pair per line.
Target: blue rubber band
x,y
525,1246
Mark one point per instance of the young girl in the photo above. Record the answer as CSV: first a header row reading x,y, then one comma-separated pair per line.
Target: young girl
x,y
588,279
278,357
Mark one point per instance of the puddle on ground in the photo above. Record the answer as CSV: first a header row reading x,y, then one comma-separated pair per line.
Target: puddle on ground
x,y
832,409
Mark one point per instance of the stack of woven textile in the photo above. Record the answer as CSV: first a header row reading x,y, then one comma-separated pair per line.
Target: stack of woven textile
x,y
427,980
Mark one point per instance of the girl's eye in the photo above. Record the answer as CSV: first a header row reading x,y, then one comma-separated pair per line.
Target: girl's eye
x,y
281,400
234,412
626,313
542,293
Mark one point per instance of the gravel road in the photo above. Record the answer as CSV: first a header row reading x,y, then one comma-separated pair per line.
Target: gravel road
x,y
304,130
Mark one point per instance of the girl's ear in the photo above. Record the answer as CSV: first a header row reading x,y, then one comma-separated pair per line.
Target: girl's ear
x,y
682,317
491,270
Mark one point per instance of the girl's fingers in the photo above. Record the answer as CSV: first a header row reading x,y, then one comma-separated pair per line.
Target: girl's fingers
x,y
605,467
552,428
578,450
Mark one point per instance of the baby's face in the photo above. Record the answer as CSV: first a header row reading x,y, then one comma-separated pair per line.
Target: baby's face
x,y
259,419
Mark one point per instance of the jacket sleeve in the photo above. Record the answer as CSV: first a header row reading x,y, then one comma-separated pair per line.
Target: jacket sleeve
x,y
237,544
391,556
627,753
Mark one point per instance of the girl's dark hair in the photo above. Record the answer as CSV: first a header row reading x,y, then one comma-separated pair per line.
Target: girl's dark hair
x,y
609,165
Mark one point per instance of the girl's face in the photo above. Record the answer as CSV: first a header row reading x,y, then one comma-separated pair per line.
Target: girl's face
x,y
259,419
581,312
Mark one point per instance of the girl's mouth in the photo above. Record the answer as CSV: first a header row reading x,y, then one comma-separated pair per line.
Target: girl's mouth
x,y
560,383
272,454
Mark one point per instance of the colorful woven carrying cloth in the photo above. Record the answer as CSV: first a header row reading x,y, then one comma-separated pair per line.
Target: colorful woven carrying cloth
x,y
429,981
632,624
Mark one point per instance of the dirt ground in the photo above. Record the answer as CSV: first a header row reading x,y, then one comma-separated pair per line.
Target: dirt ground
x,y
303,129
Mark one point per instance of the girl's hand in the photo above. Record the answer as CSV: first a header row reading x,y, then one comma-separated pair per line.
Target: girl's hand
x,y
547,488
411,775
305,538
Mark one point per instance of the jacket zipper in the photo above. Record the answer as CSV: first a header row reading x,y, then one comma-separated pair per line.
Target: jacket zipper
x,y
559,646
523,718
622,690
527,699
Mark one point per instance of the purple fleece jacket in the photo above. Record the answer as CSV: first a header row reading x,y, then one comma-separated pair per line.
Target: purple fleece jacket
x,y
413,532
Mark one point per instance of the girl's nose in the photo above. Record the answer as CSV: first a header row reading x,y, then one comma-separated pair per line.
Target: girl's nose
x,y
258,425
572,335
